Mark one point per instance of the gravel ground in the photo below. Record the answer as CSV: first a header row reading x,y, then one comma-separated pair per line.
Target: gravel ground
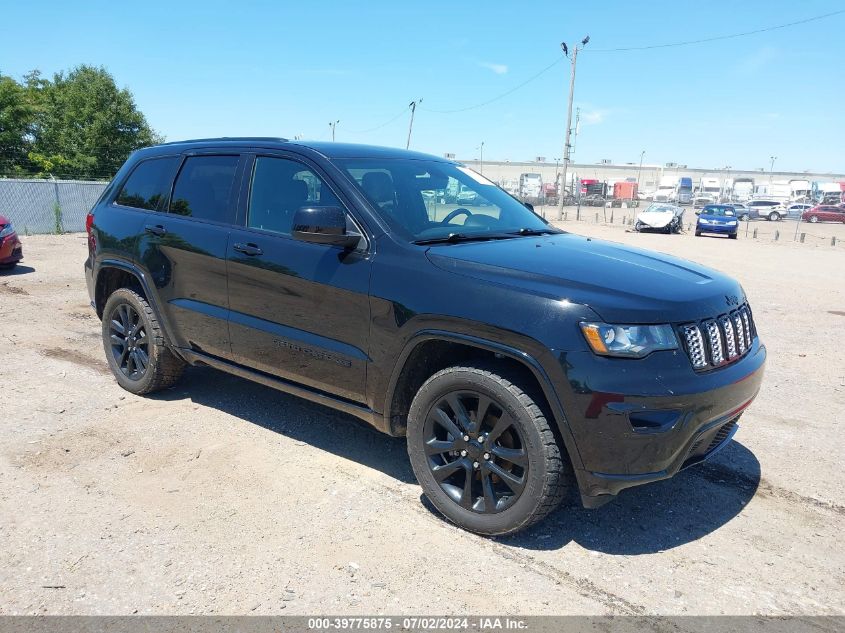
x,y
222,496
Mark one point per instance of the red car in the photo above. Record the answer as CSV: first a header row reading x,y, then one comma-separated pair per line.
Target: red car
x,y
825,213
11,250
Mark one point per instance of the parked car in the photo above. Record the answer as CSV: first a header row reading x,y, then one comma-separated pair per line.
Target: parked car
x,y
717,218
657,216
743,212
772,210
594,200
825,213
11,249
520,362
795,210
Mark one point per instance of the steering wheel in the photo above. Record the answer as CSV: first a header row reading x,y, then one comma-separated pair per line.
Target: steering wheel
x,y
455,213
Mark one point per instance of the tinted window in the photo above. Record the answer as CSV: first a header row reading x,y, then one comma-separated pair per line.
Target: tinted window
x,y
203,188
280,187
148,184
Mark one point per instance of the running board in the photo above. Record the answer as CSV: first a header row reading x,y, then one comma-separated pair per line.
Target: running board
x,y
300,391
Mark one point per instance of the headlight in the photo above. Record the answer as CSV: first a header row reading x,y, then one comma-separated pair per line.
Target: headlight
x,y
633,341
6,231
731,222
703,221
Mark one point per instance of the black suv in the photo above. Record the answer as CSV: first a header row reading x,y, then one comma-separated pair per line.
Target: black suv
x,y
520,361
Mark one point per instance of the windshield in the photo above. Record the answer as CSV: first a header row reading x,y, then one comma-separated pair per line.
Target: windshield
x,y
660,208
719,211
424,200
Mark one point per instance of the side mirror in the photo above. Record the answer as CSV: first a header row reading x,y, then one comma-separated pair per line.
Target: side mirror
x,y
529,206
698,211
323,225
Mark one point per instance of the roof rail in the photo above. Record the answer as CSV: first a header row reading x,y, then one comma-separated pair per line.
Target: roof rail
x,y
259,139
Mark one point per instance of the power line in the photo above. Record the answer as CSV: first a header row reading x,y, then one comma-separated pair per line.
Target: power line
x,y
378,127
502,95
718,37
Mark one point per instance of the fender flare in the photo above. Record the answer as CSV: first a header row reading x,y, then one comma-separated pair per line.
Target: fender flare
x,y
152,297
525,359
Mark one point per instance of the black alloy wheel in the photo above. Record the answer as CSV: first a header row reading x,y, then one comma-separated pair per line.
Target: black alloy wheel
x,y
129,341
134,344
483,449
475,452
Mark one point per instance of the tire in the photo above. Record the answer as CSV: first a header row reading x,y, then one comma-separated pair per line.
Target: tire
x,y
732,236
537,479
698,233
774,216
127,310
814,219
638,227
745,217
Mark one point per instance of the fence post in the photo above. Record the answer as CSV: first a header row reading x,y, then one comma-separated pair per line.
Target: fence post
x,y
803,235
833,241
58,227
755,233
597,218
777,235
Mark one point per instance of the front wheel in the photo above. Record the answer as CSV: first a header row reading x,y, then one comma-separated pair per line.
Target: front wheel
x,y
774,217
483,451
814,219
134,345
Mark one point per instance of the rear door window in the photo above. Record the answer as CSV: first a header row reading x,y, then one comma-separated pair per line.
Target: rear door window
x,y
203,188
148,184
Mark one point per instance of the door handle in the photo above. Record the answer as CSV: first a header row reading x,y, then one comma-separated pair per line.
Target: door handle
x,y
248,249
155,229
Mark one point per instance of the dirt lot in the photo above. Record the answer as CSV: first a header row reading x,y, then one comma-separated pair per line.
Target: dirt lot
x,y
221,496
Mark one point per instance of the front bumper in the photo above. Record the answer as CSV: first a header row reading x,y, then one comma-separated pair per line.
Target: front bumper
x,y
717,228
11,250
638,421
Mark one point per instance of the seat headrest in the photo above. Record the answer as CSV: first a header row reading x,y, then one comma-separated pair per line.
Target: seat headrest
x,y
378,186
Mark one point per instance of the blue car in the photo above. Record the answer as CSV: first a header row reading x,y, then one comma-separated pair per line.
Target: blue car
x,y
717,218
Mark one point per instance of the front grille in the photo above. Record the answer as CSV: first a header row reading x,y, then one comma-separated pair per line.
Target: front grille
x,y
721,435
715,342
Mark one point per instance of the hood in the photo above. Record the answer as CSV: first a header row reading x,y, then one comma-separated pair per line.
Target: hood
x,y
655,219
620,283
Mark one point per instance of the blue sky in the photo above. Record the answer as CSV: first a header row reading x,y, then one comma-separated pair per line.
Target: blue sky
x,y
285,68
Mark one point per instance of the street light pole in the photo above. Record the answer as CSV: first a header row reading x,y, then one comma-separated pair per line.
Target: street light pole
x,y
771,169
413,106
333,125
566,146
481,166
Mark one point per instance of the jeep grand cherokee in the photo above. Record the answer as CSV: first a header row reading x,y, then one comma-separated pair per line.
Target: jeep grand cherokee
x,y
521,362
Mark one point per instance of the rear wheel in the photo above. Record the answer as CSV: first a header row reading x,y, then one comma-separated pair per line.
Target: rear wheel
x,y
814,219
744,217
774,216
134,345
483,451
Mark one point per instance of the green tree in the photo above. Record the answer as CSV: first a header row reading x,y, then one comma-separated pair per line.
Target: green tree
x,y
17,116
84,124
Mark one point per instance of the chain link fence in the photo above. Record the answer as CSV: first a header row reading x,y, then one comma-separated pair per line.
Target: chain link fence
x,y
48,206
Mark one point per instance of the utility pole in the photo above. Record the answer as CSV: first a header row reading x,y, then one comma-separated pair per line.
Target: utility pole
x,y
771,169
413,106
639,169
481,166
333,125
566,146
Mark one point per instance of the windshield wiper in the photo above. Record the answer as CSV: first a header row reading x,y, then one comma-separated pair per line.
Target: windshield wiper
x,y
454,238
527,231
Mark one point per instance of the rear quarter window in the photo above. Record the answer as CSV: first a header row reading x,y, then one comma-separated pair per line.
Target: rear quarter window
x,y
148,184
